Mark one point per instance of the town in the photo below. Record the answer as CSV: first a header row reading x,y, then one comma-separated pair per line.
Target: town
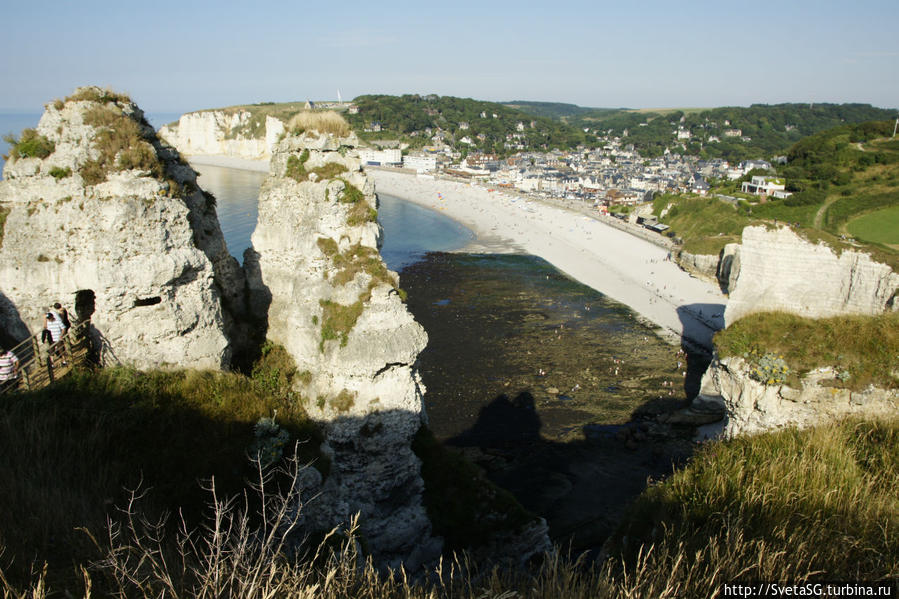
x,y
612,178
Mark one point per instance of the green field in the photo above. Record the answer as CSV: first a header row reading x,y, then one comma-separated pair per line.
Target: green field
x,y
881,226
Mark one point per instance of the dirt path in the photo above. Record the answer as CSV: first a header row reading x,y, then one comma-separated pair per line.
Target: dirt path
x,y
819,215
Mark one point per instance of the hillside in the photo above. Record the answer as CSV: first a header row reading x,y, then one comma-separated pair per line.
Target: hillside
x,y
462,123
845,184
732,133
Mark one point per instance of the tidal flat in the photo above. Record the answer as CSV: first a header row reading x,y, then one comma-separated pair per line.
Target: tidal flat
x,y
551,387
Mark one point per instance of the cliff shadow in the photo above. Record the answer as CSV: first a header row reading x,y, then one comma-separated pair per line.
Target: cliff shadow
x,y
74,450
699,323
254,328
13,329
582,488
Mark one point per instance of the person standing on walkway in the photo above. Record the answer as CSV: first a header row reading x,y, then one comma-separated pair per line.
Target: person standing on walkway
x,y
54,325
63,316
9,370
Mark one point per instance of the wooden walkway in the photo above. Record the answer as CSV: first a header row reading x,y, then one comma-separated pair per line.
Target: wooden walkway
x,y
41,364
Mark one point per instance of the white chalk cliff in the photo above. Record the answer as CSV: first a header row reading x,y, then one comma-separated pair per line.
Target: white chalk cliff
x,y
777,270
753,406
331,302
116,227
224,132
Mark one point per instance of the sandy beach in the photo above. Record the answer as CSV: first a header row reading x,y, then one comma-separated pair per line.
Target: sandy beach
x,y
626,268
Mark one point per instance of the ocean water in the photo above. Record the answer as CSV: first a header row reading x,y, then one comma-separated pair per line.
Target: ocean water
x,y
409,230
237,203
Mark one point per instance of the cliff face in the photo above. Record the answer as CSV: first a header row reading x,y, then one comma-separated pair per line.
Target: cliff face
x,y
778,270
755,407
717,269
111,222
237,134
335,307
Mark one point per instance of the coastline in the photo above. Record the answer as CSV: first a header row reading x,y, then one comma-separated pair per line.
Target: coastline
x,y
624,267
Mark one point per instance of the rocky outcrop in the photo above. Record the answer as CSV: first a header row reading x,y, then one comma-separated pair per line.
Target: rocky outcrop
x,y
753,406
238,133
331,302
714,268
776,270
109,220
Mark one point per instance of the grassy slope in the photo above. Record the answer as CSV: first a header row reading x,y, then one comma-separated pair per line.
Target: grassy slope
x,y
779,506
844,179
70,450
865,347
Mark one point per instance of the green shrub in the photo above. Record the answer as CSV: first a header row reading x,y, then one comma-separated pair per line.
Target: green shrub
x,y
338,320
329,171
60,173
30,145
94,94
122,146
296,167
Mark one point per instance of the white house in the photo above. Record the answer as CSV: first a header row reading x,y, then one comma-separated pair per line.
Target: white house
x,y
420,163
761,185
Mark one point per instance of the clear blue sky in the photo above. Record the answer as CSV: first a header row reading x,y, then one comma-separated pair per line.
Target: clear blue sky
x,y
176,56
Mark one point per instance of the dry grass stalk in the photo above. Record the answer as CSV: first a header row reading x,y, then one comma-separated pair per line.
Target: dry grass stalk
x,y
325,122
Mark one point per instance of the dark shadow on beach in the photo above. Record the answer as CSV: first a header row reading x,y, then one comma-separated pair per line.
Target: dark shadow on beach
x,y
582,488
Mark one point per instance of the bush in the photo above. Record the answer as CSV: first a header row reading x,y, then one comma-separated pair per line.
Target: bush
x,y
30,145
96,94
60,173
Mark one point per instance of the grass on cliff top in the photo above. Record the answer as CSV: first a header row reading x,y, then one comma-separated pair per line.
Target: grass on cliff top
x,y
778,506
95,94
867,347
70,450
325,122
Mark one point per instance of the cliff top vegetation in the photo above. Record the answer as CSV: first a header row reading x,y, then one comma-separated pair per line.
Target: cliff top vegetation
x,y
862,350
769,129
324,122
414,119
845,185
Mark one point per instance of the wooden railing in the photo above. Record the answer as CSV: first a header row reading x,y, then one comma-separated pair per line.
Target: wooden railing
x,y
41,364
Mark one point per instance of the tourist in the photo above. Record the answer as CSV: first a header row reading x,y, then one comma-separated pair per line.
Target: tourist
x,y
63,316
9,370
54,324
56,330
